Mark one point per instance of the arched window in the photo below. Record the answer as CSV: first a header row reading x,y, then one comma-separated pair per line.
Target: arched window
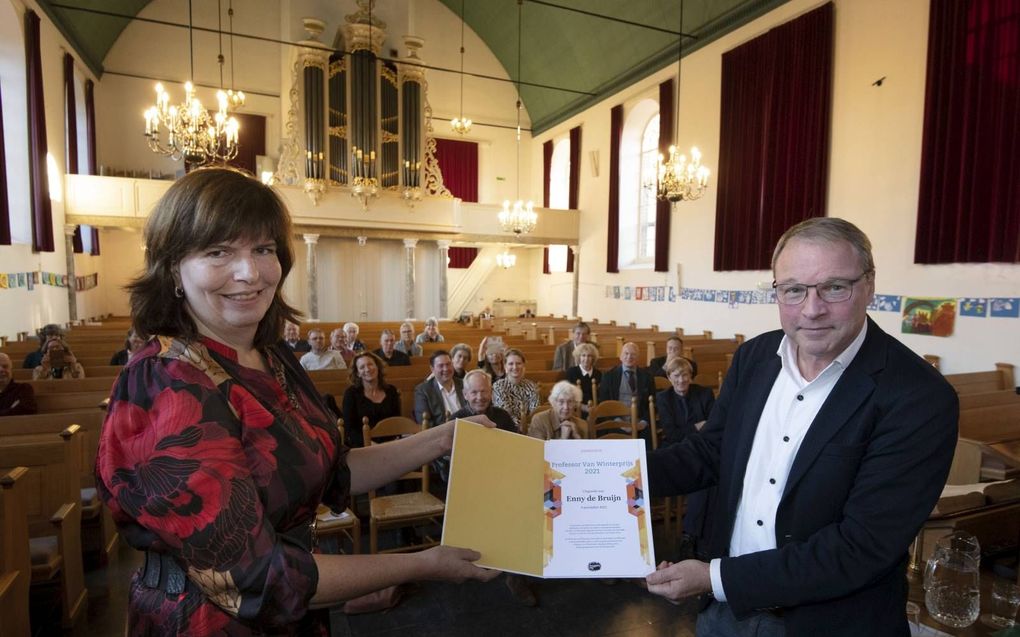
x,y
559,175
639,152
12,80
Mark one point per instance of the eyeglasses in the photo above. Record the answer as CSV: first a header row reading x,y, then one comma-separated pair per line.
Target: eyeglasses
x,y
831,291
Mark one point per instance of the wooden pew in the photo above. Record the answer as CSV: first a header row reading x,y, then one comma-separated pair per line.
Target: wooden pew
x,y
974,382
54,511
15,563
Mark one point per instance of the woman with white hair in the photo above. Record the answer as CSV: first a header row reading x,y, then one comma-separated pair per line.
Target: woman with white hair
x,y
431,333
561,420
351,331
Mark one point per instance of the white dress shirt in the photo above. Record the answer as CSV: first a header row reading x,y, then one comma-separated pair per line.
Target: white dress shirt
x,y
450,399
789,411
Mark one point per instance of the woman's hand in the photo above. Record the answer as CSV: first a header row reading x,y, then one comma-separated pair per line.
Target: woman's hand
x,y
451,564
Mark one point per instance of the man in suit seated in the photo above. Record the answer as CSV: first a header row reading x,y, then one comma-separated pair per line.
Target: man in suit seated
x,y
830,444
563,357
440,395
626,381
388,351
674,349
292,339
16,398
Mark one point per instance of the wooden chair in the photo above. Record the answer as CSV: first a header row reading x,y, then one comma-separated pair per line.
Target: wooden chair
x,y
54,511
402,509
669,509
661,383
330,528
15,564
613,410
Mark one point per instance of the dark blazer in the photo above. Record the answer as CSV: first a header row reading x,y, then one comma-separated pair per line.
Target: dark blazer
x,y
867,475
609,388
699,401
575,374
428,399
399,359
300,347
655,367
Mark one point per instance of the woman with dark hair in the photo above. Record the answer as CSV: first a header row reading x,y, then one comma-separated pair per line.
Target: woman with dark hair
x,y
133,343
217,448
460,355
369,396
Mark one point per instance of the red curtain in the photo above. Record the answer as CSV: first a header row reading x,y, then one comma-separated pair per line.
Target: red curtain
x,y
613,229
575,171
42,214
251,141
95,241
774,138
663,208
5,212
71,129
462,257
570,259
90,126
76,242
969,203
547,151
545,260
458,162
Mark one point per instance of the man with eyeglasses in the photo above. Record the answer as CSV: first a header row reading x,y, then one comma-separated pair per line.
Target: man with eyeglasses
x,y
830,444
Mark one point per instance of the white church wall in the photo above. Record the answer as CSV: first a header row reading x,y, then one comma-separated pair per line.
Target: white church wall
x,y
874,173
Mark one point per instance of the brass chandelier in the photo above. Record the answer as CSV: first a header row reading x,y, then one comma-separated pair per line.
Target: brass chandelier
x,y
461,125
188,131
519,217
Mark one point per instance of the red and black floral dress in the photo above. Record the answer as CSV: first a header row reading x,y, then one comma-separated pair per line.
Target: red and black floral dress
x,y
216,470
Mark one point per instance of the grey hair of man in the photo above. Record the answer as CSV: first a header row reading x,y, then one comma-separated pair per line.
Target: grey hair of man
x,y
565,389
477,373
829,230
349,325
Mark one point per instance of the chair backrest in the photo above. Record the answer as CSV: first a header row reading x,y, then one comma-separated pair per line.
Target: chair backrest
x,y
614,410
396,426
661,383
653,422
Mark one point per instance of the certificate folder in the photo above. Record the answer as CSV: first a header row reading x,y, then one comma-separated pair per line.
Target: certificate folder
x,y
557,508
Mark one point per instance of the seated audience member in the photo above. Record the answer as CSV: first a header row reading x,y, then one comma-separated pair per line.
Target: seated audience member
x,y
133,343
388,351
527,314
515,393
564,355
431,333
492,362
681,411
369,396
560,421
16,398
478,393
58,362
292,339
460,354
674,349
486,313
338,343
683,408
320,357
478,398
351,331
441,394
627,380
46,334
584,372
407,344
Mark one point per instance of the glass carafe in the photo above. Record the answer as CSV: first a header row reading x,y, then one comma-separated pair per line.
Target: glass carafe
x,y
952,586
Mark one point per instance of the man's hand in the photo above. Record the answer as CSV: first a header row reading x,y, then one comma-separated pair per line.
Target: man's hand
x,y
678,581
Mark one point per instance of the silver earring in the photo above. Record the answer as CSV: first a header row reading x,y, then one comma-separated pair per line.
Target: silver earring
x,y
178,291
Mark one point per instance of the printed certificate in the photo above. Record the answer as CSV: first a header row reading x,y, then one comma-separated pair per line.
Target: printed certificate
x,y
557,508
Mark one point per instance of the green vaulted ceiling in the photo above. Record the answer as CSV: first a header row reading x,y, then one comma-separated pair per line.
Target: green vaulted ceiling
x,y
590,56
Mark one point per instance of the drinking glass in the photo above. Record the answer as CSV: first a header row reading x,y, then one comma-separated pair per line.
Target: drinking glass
x,y
953,594
1003,605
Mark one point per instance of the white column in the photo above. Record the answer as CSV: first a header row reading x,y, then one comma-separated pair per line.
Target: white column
x,y
72,293
444,267
311,241
577,278
409,245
